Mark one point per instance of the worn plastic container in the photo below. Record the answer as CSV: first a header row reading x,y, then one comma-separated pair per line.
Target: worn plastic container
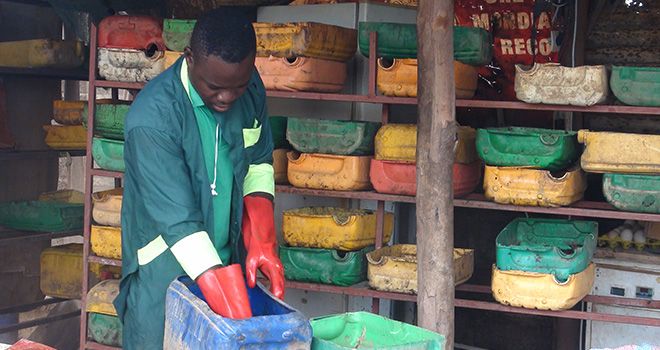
x,y
105,241
553,246
363,330
278,129
170,58
43,216
65,196
106,207
639,193
613,152
394,268
131,32
328,172
66,137
339,137
397,40
177,33
333,228
68,112
533,290
109,119
401,177
528,147
637,86
104,329
101,296
61,271
280,164
398,77
534,187
301,74
129,65
108,154
398,142
305,39
42,53
274,325
325,266
552,83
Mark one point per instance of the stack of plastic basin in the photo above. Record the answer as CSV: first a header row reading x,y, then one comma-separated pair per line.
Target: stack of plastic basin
x,y
329,245
531,167
393,169
364,330
108,142
103,325
335,154
631,167
394,268
397,57
304,56
544,263
105,236
280,149
191,324
61,271
130,48
66,131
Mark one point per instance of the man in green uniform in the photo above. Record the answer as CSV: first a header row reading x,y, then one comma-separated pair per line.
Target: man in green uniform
x,y
199,182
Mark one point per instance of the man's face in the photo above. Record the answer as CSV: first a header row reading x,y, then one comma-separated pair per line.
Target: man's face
x,y
219,83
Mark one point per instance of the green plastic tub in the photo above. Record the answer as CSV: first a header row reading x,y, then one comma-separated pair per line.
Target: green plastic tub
x,y
528,147
550,246
637,86
639,193
104,329
177,33
278,129
397,40
363,330
331,136
108,154
42,216
109,120
324,265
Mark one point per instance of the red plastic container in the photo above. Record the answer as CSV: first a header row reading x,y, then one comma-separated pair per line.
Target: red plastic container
x,y
401,177
131,32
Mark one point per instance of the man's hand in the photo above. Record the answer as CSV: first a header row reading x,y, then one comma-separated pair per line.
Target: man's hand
x,y
225,292
261,243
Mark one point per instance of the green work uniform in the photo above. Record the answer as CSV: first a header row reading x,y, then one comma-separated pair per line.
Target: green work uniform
x,y
167,202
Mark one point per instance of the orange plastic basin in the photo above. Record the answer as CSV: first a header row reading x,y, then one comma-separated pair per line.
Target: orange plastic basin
x,y
301,74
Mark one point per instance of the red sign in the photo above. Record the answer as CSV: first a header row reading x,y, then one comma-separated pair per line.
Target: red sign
x,y
511,23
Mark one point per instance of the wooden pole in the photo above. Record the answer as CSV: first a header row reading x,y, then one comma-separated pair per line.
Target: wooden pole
x,y
436,139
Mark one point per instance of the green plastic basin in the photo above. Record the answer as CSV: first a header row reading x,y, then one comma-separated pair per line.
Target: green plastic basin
x,y
108,154
363,330
528,147
109,120
550,246
324,265
640,193
42,216
104,329
637,86
331,136
177,33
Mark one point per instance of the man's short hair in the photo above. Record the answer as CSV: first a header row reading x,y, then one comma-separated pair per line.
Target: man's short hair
x,y
225,32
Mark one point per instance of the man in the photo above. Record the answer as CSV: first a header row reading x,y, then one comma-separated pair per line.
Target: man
x,y
198,155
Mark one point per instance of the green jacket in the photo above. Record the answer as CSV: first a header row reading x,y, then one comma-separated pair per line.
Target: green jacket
x,y
166,183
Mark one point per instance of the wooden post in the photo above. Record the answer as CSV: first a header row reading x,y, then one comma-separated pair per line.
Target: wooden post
x,y
436,138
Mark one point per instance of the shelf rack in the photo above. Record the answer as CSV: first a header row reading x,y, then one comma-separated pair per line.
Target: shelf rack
x,y
474,201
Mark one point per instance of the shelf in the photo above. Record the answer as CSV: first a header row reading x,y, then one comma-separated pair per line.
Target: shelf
x,y
620,109
50,73
39,154
118,85
342,97
103,261
366,195
7,234
107,173
96,346
478,201
358,290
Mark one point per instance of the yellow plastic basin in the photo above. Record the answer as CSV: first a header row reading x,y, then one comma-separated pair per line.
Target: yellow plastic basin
x,y
106,241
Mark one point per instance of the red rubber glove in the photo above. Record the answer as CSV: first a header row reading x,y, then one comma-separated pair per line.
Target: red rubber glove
x,y
225,292
261,244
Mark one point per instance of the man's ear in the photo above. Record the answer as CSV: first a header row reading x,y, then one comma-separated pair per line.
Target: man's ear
x,y
188,55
